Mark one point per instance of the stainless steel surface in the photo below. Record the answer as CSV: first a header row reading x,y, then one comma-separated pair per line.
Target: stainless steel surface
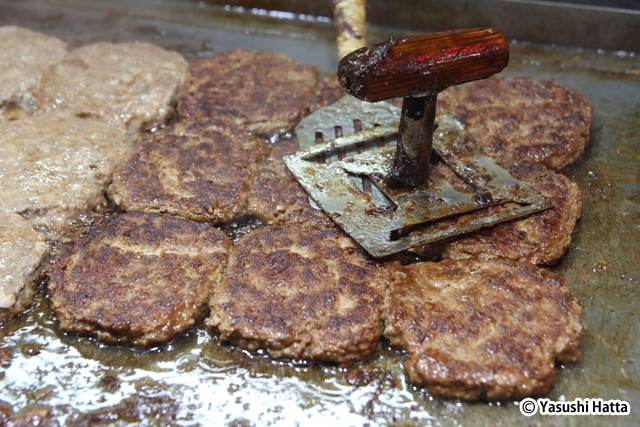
x,y
197,381
386,220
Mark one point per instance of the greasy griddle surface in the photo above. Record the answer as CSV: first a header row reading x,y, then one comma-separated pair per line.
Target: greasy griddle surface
x,y
196,380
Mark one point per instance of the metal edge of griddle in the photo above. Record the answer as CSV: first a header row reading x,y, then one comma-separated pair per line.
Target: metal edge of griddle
x,y
543,22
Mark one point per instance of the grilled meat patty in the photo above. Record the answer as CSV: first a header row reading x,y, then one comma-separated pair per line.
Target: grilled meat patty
x,y
132,85
55,166
137,279
197,170
263,92
489,330
521,118
24,57
277,198
541,238
22,251
300,294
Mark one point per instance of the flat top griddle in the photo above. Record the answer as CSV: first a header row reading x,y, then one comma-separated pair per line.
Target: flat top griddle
x,y
196,381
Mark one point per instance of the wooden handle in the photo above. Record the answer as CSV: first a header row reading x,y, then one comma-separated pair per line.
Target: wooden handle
x,y
349,18
423,65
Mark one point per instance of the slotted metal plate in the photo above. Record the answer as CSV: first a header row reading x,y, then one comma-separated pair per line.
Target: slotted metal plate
x,y
346,178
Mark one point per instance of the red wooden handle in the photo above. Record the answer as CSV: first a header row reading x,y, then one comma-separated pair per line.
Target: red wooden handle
x,y
423,65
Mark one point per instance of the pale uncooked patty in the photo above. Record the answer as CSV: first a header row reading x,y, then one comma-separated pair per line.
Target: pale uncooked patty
x,y
22,251
55,166
489,330
201,171
541,238
521,118
263,92
137,279
301,294
132,85
24,57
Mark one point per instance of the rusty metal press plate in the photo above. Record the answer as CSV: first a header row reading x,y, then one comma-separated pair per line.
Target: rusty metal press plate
x,y
346,176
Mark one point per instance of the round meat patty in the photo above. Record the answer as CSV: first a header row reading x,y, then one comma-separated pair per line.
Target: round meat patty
x,y
521,118
263,92
132,85
200,171
541,238
24,57
301,294
489,330
137,279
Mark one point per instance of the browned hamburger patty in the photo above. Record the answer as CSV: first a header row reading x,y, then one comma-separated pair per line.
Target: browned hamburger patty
x,y
541,238
521,118
488,330
137,279
197,170
302,294
263,92
277,198
132,85
24,57
22,251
